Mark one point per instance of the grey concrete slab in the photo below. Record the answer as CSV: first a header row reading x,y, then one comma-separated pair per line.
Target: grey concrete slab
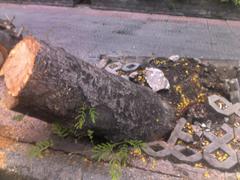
x,y
86,33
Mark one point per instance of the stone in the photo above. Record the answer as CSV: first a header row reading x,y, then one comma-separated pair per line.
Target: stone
x,y
174,57
226,119
133,74
102,63
197,130
198,60
232,86
209,124
125,77
113,67
156,79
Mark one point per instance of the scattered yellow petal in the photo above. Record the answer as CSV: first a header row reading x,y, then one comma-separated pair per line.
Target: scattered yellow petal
x,y
143,159
198,165
137,152
154,164
238,175
206,174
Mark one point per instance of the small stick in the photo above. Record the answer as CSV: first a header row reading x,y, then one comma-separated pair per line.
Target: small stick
x,y
20,31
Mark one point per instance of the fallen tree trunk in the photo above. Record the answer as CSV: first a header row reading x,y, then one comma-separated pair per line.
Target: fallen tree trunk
x,y
50,83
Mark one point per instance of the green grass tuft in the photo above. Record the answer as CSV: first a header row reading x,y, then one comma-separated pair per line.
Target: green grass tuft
x,y
117,155
18,117
40,147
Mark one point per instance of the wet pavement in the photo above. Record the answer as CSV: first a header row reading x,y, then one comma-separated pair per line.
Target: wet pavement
x,y
87,33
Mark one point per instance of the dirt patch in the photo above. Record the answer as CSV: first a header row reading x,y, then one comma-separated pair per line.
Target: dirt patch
x,y
2,160
191,82
6,143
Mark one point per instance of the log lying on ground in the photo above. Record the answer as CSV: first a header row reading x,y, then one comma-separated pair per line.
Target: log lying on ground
x,y
53,85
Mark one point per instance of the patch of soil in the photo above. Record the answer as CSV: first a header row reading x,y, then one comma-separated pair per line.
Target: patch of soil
x,y
191,82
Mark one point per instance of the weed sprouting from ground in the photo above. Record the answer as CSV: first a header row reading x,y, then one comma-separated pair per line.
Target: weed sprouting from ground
x,y
83,113
90,135
40,147
81,117
116,154
18,117
60,131
92,114
237,3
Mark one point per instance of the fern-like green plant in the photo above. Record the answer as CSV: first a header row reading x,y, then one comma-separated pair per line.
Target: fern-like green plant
x,y
81,118
60,131
92,114
237,3
90,135
117,155
115,170
82,115
40,147
102,152
136,144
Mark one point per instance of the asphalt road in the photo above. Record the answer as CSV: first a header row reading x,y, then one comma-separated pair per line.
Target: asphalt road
x,y
87,33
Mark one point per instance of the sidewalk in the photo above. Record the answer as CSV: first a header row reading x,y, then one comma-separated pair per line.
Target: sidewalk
x,y
68,160
87,33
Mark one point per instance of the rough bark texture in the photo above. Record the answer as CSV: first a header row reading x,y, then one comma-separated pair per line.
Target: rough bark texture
x,y
60,84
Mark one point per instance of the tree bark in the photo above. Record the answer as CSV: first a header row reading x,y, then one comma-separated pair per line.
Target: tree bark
x,y
53,85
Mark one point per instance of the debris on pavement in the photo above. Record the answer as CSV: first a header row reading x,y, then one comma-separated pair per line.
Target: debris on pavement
x,y
102,63
156,79
206,99
113,67
7,24
174,57
233,88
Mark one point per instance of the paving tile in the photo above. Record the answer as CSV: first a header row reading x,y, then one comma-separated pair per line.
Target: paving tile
x,y
227,108
220,143
216,143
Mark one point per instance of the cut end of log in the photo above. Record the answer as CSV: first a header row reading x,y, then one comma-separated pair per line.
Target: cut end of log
x,y
6,100
19,65
3,54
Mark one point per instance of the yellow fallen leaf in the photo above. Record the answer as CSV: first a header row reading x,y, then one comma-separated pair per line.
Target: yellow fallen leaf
x,y
206,174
